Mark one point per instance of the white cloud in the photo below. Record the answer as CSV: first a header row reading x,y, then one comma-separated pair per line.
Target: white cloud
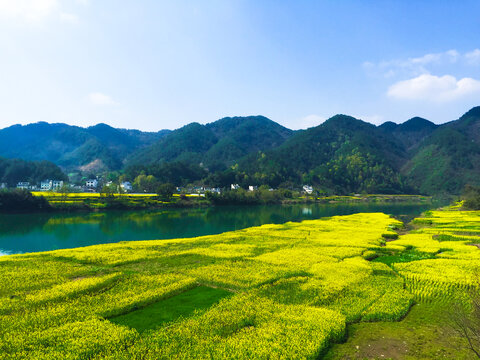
x,y
419,65
69,18
101,99
35,11
30,10
473,57
434,88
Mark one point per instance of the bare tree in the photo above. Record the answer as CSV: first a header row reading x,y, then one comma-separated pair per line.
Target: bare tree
x,y
465,319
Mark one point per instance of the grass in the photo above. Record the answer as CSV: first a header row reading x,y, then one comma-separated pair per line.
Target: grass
x,y
425,333
164,311
409,255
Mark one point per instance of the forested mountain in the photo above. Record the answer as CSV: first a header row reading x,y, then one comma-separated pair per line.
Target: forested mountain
x,y
93,148
216,145
13,171
342,155
346,155
411,132
449,158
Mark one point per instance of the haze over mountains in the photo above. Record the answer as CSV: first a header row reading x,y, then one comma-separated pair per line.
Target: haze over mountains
x,y
341,155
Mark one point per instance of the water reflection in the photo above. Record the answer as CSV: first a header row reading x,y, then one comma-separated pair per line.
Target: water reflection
x,y
40,232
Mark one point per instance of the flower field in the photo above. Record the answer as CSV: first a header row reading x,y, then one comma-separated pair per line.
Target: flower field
x,y
98,201
293,288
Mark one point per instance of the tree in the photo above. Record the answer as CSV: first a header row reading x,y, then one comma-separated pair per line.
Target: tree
x,y
471,194
465,319
108,191
144,183
165,191
64,190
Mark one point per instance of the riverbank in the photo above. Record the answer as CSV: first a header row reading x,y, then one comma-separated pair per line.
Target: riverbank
x,y
97,202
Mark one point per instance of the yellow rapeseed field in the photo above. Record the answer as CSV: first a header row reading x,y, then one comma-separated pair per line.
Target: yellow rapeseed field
x,y
294,288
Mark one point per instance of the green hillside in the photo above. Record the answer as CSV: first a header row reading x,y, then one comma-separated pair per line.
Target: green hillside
x,y
449,158
215,145
13,171
100,146
343,154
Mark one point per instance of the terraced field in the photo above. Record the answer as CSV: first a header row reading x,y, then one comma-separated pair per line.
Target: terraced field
x,y
275,291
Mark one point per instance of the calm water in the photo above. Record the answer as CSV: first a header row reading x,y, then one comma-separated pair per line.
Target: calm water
x,y
21,233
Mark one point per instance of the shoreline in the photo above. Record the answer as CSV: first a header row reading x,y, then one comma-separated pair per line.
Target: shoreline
x,y
95,202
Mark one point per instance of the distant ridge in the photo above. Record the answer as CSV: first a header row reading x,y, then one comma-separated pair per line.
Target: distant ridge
x,y
217,145
73,146
342,155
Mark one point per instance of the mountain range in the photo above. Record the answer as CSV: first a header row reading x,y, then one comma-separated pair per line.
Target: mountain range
x,y
342,155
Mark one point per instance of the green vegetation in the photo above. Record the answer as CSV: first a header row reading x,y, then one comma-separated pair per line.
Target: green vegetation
x,y
108,199
95,148
13,171
243,197
164,311
448,159
425,333
395,256
342,156
177,173
22,200
216,145
471,194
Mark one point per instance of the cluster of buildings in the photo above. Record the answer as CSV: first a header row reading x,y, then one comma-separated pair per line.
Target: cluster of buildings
x,y
250,187
92,185
198,190
55,185
308,189
46,185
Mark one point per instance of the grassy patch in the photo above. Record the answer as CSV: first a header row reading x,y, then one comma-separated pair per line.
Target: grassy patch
x,y
403,256
425,333
182,305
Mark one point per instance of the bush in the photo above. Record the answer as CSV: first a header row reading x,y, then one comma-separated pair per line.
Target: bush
x,y
471,194
165,191
20,200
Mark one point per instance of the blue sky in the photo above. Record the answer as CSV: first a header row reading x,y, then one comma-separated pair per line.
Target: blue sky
x,y
152,64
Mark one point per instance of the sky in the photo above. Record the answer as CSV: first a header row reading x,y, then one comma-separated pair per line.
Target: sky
x,y
154,64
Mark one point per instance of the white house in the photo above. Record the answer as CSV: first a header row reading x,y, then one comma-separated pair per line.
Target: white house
x,y
126,186
57,184
308,189
23,185
213,190
47,185
235,186
92,183
252,188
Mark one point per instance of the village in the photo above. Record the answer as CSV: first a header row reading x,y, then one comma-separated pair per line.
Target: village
x,y
96,185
